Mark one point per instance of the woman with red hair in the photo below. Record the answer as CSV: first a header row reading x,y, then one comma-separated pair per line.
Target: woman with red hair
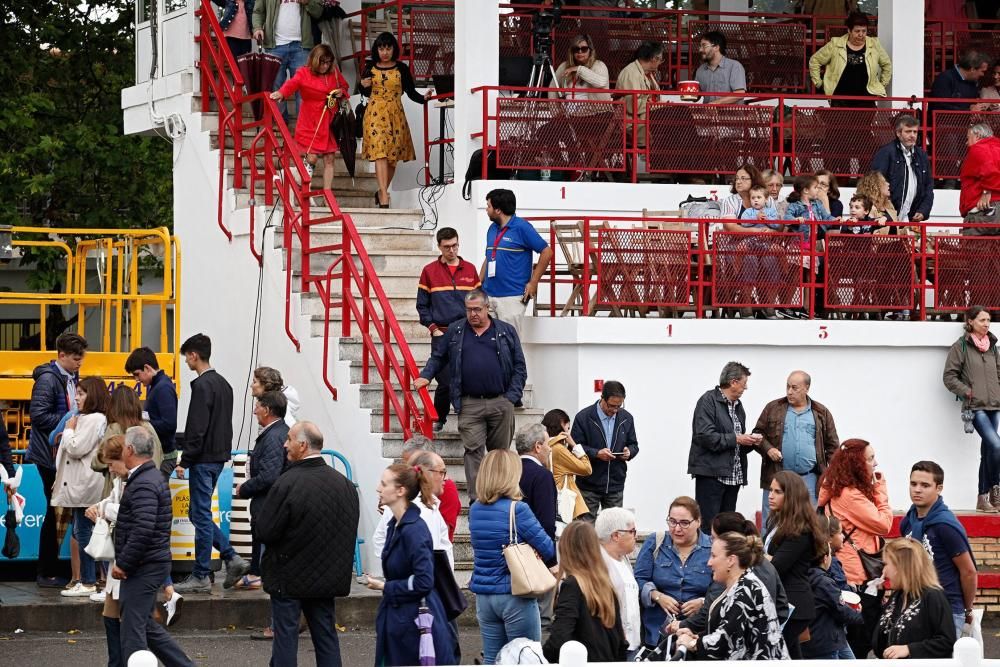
x,y
856,494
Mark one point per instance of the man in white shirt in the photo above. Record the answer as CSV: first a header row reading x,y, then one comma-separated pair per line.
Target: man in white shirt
x,y
615,528
284,27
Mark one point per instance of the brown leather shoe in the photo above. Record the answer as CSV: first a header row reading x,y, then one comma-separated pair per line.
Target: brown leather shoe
x,y
984,505
995,497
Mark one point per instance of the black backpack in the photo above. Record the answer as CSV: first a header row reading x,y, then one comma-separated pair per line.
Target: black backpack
x,y
475,171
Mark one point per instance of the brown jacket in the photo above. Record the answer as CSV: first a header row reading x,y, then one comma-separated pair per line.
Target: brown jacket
x,y
967,369
771,425
565,465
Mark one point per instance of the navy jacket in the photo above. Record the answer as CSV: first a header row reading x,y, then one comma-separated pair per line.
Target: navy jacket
x,y
267,462
605,476
161,405
47,407
142,530
826,631
229,8
539,489
489,526
441,295
408,565
890,161
208,433
509,351
713,439
950,83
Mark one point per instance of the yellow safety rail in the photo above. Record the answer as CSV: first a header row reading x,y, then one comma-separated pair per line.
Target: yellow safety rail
x,y
106,274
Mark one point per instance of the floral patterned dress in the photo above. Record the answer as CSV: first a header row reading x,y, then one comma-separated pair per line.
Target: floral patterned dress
x,y
743,625
386,132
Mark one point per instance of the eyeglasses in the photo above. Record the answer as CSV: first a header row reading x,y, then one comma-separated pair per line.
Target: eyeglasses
x,y
581,49
326,61
630,531
683,523
441,471
612,408
742,178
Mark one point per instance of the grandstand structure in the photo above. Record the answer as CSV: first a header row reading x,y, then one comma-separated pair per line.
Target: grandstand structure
x,y
322,286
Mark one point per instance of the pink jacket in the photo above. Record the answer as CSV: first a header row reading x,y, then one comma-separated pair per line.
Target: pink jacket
x,y
871,521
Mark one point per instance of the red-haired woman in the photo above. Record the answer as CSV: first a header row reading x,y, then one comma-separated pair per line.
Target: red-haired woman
x,y
856,494
315,83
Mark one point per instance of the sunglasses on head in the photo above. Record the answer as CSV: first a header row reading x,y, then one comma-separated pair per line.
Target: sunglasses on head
x,y
581,49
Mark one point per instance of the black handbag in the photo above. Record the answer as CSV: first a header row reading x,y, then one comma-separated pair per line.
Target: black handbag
x,y
359,117
452,598
872,563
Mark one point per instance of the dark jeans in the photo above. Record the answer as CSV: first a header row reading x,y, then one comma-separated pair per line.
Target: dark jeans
x,y
113,632
83,528
986,422
599,500
48,547
713,497
256,548
319,613
442,395
791,634
238,46
202,478
138,629
859,637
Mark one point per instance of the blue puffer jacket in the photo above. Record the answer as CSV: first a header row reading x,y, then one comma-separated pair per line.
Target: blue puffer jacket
x,y
47,407
489,527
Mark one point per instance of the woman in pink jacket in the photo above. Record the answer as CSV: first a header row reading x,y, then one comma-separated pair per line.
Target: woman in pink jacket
x,y
852,491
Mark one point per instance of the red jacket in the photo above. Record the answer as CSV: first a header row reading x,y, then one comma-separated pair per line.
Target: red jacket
x,y
450,506
441,293
980,171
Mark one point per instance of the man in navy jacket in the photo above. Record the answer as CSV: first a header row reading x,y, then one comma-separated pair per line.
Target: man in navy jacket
x,y
52,396
959,82
142,551
606,431
908,170
161,401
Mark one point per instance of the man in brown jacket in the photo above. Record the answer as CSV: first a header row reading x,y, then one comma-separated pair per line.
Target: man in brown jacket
x,y
799,435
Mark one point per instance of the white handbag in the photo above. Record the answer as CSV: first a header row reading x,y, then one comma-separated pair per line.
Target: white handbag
x,y
566,503
101,545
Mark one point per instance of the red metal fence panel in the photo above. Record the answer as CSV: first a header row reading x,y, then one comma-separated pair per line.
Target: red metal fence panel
x,y
841,140
432,42
948,147
702,138
757,269
774,55
869,272
967,270
643,267
544,133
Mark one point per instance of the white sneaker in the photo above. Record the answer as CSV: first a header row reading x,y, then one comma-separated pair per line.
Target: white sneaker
x,y
172,606
99,596
78,591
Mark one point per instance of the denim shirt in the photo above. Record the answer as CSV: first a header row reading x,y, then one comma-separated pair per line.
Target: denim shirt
x,y
666,574
798,441
798,209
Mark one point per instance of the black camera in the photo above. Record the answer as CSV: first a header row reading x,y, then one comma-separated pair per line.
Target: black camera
x,y
546,20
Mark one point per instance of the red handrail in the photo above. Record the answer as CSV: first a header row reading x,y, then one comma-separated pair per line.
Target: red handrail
x,y
283,177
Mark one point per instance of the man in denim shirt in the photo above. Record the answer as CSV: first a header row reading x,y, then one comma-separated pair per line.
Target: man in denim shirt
x,y
798,435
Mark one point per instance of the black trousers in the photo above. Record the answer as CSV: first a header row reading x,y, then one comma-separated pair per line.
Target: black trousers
x,y
139,631
859,637
793,629
48,547
320,614
713,497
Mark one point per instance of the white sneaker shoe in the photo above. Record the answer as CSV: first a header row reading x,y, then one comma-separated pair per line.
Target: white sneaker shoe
x,y
173,606
99,596
78,591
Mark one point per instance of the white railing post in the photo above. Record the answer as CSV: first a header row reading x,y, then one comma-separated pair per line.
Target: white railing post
x,y
573,654
968,652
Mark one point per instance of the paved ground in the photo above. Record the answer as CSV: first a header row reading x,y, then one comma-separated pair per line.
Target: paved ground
x,y
223,648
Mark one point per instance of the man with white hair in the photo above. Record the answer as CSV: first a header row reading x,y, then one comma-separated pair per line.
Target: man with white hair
x,y
615,528
980,179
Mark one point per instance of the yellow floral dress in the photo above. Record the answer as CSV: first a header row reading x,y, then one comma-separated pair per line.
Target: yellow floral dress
x,y
386,133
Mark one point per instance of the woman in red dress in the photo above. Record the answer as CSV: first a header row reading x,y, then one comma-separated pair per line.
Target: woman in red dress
x,y
316,82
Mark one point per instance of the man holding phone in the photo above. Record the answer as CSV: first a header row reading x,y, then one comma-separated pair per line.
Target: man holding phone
x,y
506,273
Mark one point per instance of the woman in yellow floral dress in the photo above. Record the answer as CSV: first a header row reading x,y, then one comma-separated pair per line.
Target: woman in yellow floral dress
x,y
386,135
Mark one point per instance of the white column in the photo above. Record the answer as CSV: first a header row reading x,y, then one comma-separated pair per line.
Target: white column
x,y
727,6
477,63
901,31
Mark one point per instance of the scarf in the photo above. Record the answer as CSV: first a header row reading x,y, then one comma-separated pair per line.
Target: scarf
x,y
916,527
982,343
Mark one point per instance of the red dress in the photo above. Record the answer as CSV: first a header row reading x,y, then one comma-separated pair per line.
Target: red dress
x,y
311,135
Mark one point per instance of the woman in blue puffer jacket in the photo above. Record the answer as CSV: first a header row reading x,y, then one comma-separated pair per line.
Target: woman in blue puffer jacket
x,y
502,617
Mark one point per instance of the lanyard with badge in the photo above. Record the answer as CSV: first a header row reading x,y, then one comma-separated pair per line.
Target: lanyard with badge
x,y
491,265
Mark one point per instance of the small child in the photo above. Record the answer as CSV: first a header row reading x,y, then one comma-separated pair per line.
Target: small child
x,y
827,632
859,213
759,211
836,534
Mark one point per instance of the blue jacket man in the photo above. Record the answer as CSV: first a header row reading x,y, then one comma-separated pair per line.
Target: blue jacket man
x,y
891,161
161,401
606,431
488,373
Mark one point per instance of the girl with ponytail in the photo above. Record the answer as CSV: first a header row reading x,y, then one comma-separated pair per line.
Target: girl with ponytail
x,y
408,566
742,621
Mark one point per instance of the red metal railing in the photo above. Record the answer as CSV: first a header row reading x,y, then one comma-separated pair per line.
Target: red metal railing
x,y
277,172
782,131
946,38
638,265
425,30
439,104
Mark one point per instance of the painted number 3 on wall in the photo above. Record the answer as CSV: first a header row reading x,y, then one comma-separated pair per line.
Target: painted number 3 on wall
x,y
823,332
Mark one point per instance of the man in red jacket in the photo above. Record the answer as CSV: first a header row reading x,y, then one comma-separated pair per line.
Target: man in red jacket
x,y
980,177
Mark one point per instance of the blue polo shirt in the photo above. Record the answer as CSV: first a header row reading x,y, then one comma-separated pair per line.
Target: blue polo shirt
x,y
798,441
513,256
482,374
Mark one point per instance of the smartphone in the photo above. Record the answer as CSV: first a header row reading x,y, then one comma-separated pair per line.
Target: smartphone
x,y
526,299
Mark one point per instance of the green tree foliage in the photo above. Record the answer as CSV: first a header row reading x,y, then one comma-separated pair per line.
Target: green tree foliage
x,y
64,160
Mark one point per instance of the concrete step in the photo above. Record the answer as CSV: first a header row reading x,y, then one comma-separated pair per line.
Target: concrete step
x,y
400,304
410,328
397,261
351,350
377,239
343,183
521,418
363,169
345,200
365,216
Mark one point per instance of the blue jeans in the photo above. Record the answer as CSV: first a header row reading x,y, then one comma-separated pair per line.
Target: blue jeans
x,y
809,478
503,618
845,654
82,530
293,56
959,623
986,423
202,478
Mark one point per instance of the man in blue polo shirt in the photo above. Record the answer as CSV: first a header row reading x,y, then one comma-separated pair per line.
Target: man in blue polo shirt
x,y
506,273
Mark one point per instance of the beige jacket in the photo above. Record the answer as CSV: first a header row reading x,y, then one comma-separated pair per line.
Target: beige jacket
x,y
633,77
565,468
77,484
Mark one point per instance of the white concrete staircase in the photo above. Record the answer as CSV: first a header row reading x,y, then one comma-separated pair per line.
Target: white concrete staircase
x,y
398,250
